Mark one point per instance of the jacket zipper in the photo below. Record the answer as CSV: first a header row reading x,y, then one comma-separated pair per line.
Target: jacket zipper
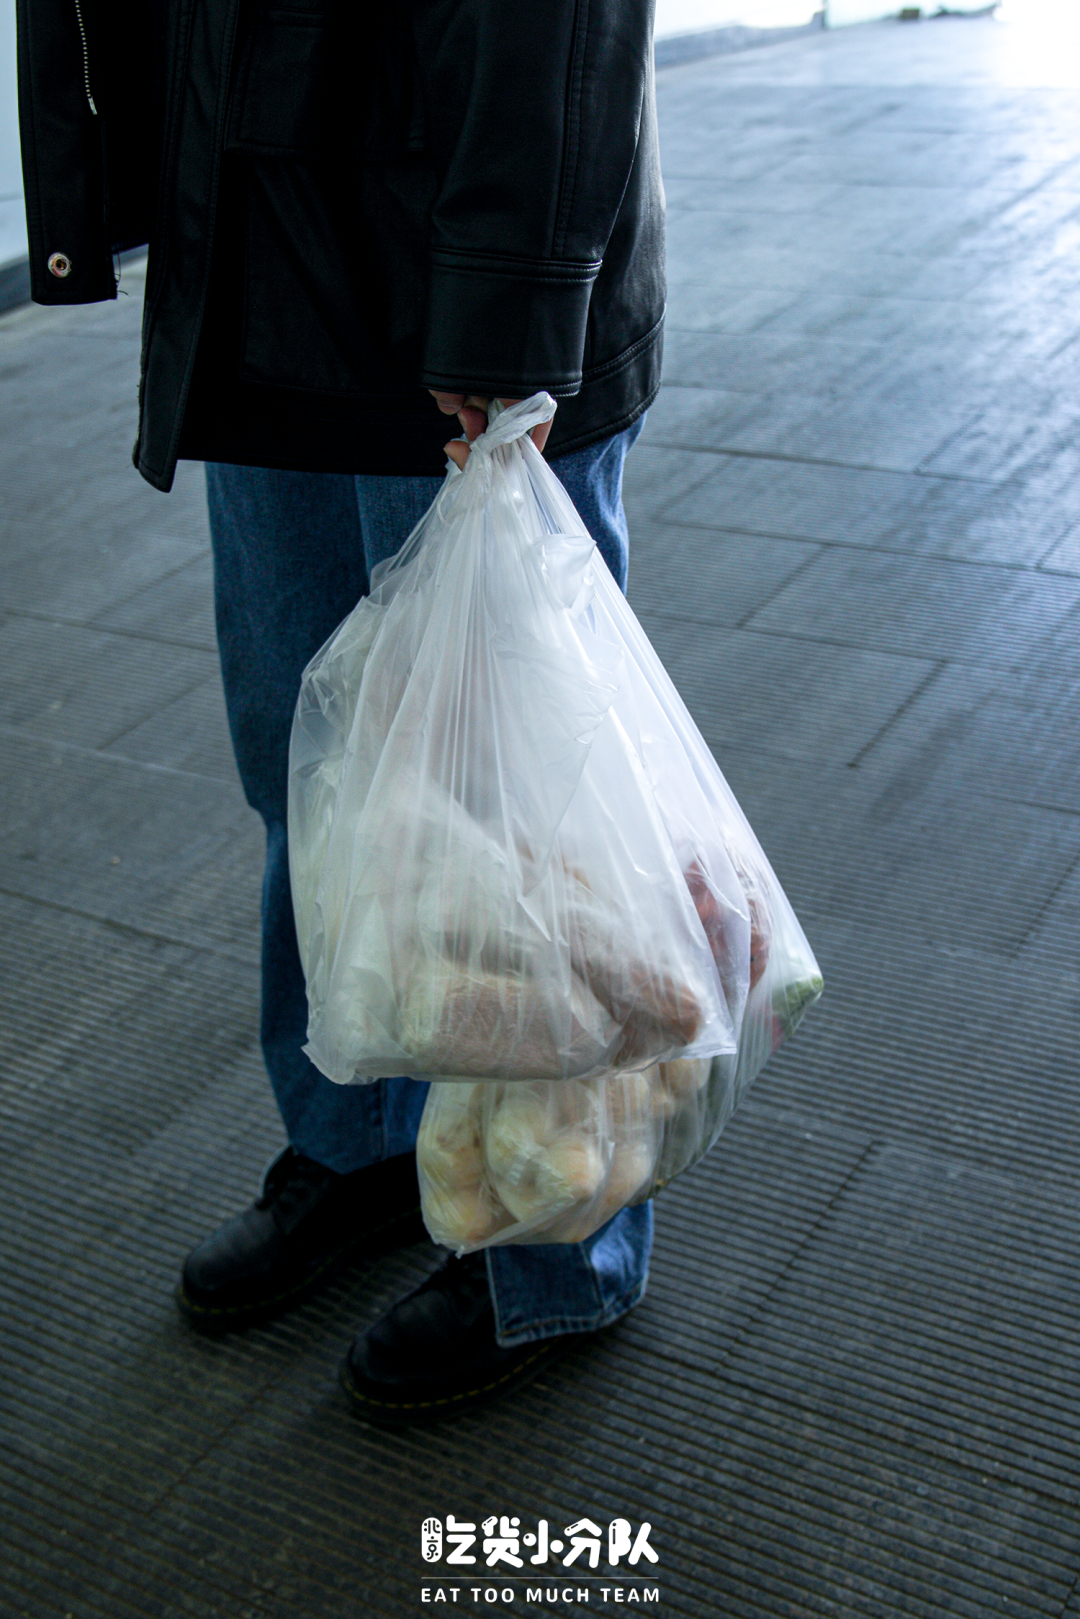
x,y
85,58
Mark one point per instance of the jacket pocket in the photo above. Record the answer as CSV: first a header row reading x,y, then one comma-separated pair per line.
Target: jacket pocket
x,y
333,291
322,75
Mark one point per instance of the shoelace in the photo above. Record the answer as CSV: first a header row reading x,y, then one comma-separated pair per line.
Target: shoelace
x,y
465,1275
291,1183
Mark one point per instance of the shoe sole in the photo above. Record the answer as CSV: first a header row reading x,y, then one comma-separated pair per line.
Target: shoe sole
x,y
402,1231
382,1413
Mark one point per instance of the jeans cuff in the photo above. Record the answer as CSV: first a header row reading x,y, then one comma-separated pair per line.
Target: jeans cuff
x,y
548,1289
556,1326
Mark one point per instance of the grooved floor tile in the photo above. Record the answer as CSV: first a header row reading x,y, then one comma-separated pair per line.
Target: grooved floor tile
x,y
947,1044
162,851
998,447
86,570
943,864
178,607
923,607
708,578
191,733
960,1263
862,506
781,695
72,684
1065,556
1008,736
799,428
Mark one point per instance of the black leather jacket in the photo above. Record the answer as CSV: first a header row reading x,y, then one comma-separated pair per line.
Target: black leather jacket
x,y
347,203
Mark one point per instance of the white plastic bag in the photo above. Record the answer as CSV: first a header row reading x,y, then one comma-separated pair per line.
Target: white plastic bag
x,y
514,859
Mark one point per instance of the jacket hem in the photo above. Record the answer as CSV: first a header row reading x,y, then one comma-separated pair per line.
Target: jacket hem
x,y
609,429
162,481
608,368
260,426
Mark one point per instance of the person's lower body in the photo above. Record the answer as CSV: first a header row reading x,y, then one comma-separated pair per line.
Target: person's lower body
x,y
293,552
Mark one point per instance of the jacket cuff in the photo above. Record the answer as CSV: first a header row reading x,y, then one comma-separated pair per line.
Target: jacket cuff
x,y
505,326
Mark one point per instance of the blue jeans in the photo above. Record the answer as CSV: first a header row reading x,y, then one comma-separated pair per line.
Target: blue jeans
x,y
292,555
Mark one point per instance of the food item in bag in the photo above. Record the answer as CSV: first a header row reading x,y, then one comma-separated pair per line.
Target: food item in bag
x,y
656,1007
679,1083
633,1132
717,919
456,1194
540,1162
533,1156
473,1019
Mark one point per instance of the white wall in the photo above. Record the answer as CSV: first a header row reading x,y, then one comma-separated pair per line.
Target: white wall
x,y
693,16
690,16
12,225
839,12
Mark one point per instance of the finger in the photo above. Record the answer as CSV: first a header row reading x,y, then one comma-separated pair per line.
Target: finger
x,y
457,452
449,404
473,417
539,435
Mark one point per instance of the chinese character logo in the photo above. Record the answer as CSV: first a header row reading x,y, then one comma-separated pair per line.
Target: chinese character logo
x,y
431,1540
502,1542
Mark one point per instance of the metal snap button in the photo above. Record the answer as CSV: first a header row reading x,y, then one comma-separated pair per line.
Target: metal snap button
x,y
60,265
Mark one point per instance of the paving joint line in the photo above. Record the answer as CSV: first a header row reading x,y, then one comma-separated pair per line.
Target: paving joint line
x,y
1019,1176
1040,566
1008,1473
18,733
913,696
1068,1599
828,461
160,580
880,651
98,1575
224,1432
61,622
951,438
176,697
1036,804
746,628
865,550
103,920
1040,915
872,1147
789,579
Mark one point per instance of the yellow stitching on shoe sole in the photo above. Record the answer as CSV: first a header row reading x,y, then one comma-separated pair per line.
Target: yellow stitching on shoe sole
x,y
278,1298
467,1394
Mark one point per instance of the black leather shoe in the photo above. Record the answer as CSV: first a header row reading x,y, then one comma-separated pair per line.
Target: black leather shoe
x,y
434,1354
306,1223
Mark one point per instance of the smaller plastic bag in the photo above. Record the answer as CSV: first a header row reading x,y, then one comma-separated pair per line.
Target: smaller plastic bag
x,y
552,1162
